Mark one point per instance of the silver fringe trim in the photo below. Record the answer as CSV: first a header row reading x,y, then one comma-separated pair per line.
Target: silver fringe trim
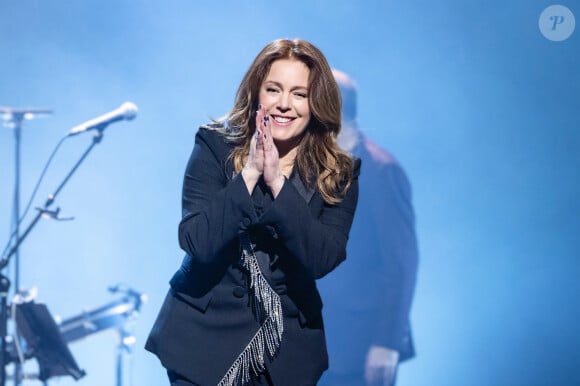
x,y
268,308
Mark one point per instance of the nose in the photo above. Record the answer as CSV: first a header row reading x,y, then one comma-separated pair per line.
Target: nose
x,y
284,102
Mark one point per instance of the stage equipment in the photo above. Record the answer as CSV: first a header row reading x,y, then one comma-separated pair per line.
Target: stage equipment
x,y
14,119
127,111
46,340
43,341
117,314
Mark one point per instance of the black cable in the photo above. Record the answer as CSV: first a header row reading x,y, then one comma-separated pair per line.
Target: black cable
x,y
16,226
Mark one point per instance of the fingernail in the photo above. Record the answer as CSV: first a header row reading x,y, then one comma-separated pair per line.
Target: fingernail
x,y
267,118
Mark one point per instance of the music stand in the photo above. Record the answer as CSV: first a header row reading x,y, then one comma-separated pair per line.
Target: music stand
x,y
44,342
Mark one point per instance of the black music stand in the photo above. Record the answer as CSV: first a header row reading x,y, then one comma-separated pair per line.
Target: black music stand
x,y
44,342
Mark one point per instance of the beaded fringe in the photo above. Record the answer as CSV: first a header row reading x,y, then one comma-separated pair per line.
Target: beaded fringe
x,y
268,308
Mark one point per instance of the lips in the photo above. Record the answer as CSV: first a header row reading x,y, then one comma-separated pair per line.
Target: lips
x,y
282,120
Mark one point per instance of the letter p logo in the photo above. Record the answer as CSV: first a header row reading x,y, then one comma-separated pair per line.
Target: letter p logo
x,y
557,23
557,20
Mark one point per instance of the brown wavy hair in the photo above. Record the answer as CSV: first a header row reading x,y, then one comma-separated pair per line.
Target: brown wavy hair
x,y
320,161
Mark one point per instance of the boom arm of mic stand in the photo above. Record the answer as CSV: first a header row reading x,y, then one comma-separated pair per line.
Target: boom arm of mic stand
x,y
96,139
4,262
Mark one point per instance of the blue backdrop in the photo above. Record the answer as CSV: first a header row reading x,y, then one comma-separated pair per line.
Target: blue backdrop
x,y
480,108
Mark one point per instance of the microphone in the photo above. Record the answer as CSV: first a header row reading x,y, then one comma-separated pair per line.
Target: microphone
x,y
126,111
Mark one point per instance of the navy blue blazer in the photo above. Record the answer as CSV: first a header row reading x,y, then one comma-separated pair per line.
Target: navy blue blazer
x,y
207,320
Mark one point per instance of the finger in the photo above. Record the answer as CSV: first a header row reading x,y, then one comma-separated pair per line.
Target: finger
x,y
259,119
259,139
265,136
268,139
254,142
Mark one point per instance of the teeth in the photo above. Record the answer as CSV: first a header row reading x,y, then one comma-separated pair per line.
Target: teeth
x,y
282,119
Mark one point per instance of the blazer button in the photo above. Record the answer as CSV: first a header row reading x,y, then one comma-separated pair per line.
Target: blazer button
x,y
239,292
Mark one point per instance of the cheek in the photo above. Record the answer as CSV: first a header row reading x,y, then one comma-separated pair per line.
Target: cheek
x,y
305,121
265,98
303,108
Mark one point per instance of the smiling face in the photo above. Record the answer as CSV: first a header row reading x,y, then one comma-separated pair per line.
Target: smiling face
x,y
284,95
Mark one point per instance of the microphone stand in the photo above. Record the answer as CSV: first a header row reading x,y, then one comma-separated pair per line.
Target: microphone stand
x,y
13,118
4,281
14,121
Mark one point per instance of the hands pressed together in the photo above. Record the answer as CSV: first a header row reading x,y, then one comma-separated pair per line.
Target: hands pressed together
x,y
263,159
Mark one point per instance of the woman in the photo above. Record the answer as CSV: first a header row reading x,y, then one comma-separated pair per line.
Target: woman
x,y
268,201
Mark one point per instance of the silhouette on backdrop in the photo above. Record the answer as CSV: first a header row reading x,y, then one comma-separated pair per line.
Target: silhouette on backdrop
x,y
367,300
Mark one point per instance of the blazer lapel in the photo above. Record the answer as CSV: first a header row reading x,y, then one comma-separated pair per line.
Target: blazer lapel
x,y
305,192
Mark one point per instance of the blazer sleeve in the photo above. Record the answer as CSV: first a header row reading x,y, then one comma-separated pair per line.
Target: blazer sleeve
x,y
394,219
215,207
317,240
